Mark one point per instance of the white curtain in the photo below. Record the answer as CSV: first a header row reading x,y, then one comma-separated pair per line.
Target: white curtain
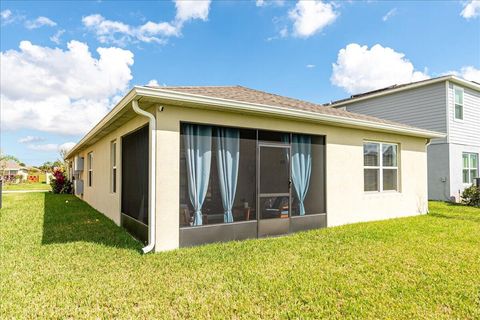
x,y
198,153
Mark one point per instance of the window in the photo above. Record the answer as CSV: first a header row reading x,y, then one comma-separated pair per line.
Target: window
x,y
90,168
470,167
458,103
380,161
113,170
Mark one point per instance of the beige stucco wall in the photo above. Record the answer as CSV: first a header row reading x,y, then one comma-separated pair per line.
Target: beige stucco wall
x,y
99,195
346,200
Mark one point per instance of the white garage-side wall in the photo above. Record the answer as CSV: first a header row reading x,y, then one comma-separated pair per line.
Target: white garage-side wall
x,y
456,167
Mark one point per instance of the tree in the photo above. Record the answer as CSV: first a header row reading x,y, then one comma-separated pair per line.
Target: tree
x,y
58,164
63,153
46,166
8,157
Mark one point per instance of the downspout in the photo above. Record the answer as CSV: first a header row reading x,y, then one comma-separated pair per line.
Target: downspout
x,y
427,143
152,175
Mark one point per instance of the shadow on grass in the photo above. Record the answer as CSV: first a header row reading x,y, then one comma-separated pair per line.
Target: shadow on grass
x,y
68,219
471,218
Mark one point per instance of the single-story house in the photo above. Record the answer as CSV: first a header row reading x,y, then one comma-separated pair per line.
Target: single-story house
x,y
182,166
12,171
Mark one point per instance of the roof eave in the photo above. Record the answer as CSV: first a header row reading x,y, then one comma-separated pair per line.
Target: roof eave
x,y
452,78
233,105
286,112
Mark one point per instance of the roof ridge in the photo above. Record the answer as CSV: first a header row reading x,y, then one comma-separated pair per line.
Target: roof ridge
x,y
166,87
283,97
311,104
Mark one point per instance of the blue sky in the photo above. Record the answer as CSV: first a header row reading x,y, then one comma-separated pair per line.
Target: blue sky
x,y
284,47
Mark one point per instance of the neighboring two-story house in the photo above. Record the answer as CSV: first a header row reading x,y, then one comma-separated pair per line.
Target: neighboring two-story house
x,y
446,104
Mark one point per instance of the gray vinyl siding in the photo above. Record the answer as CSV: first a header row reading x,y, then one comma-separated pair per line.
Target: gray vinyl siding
x,y
423,107
438,172
466,131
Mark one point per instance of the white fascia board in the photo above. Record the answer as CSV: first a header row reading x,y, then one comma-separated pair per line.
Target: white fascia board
x,y
233,105
454,79
192,100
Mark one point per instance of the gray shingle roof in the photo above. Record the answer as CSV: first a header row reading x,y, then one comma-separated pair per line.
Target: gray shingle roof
x,y
243,94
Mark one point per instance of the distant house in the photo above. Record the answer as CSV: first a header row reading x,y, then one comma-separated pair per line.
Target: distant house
x,y
182,166
12,171
446,104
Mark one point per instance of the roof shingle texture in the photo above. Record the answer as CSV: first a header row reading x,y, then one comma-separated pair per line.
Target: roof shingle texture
x,y
243,94
9,164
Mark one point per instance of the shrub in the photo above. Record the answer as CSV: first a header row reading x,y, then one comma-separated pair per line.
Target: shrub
x,y
60,182
471,196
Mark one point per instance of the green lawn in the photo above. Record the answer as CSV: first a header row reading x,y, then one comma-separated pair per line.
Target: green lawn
x,y
27,186
62,259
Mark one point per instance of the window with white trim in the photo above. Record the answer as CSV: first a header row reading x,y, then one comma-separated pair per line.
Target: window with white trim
x,y
113,163
458,97
470,167
90,168
380,166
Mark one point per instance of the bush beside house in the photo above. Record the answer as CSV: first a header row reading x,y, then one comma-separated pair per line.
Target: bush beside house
x,y
471,196
60,182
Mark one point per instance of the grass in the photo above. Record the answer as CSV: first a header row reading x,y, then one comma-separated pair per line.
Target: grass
x,y
62,259
27,186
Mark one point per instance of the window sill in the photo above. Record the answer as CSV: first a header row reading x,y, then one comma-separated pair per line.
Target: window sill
x,y
390,192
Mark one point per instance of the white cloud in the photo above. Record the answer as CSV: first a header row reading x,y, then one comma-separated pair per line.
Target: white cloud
x,y
6,14
310,17
264,3
282,33
67,146
119,33
471,9
30,139
108,31
61,91
48,147
56,37
360,69
153,83
192,9
39,22
51,147
150,31
310,66
7,17
389,14
468,73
